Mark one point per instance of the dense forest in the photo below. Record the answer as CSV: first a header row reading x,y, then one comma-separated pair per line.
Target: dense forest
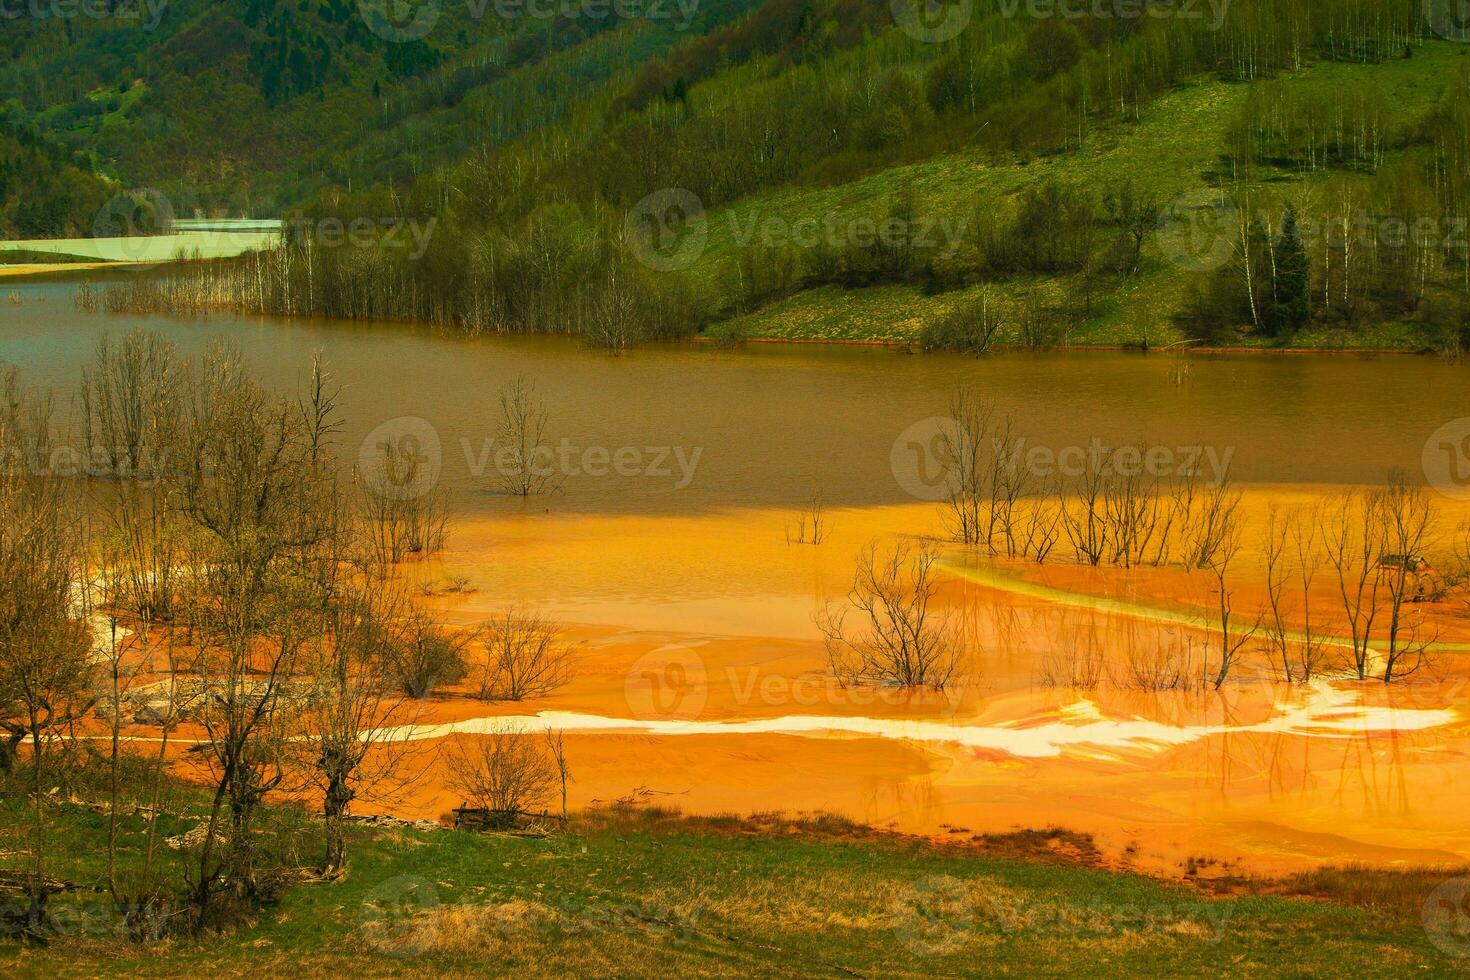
x,y
1333,167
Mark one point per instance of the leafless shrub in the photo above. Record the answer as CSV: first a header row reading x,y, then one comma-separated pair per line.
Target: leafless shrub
x,y
425,655
811,524
1081,665
524,657
131,409
898,637
1158,667
504,773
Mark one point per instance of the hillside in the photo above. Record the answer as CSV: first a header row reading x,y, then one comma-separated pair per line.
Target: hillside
x,y
731,169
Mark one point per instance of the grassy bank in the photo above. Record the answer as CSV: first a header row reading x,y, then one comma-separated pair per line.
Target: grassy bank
x,y
651,894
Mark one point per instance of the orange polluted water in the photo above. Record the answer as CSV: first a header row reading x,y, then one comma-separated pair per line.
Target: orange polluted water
x,y
702,683
702,680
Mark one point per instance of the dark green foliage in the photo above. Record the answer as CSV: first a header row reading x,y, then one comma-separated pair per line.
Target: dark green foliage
x,y
1290,306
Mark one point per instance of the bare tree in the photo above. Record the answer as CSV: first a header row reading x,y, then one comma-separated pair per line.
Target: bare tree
x,y
263,499
1407,521
1233,638
46,668
556,747
352,701
131,407
1352,536
811,524
524,657
967,469
525,461
899,638
504,773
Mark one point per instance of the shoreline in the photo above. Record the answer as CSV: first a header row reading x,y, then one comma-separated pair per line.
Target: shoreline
x,y
699,339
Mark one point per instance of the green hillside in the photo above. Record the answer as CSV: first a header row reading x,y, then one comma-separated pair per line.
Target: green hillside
x,y
809,169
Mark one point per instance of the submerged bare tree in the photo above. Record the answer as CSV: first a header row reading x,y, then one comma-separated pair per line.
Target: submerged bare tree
x,y
1233,635
130,398
525,460
1407,528
889,630
1352,538
811,523
965,460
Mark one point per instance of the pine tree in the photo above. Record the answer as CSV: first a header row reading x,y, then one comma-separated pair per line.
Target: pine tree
x,y
1292,306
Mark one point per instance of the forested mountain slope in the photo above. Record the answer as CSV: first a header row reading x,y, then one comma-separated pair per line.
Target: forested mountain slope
x,y
1260,172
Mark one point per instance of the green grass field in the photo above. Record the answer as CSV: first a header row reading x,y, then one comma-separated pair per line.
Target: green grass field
x,y
648,893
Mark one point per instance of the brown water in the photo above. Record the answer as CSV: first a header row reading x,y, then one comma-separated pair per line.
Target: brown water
x,y
701,674
767,421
